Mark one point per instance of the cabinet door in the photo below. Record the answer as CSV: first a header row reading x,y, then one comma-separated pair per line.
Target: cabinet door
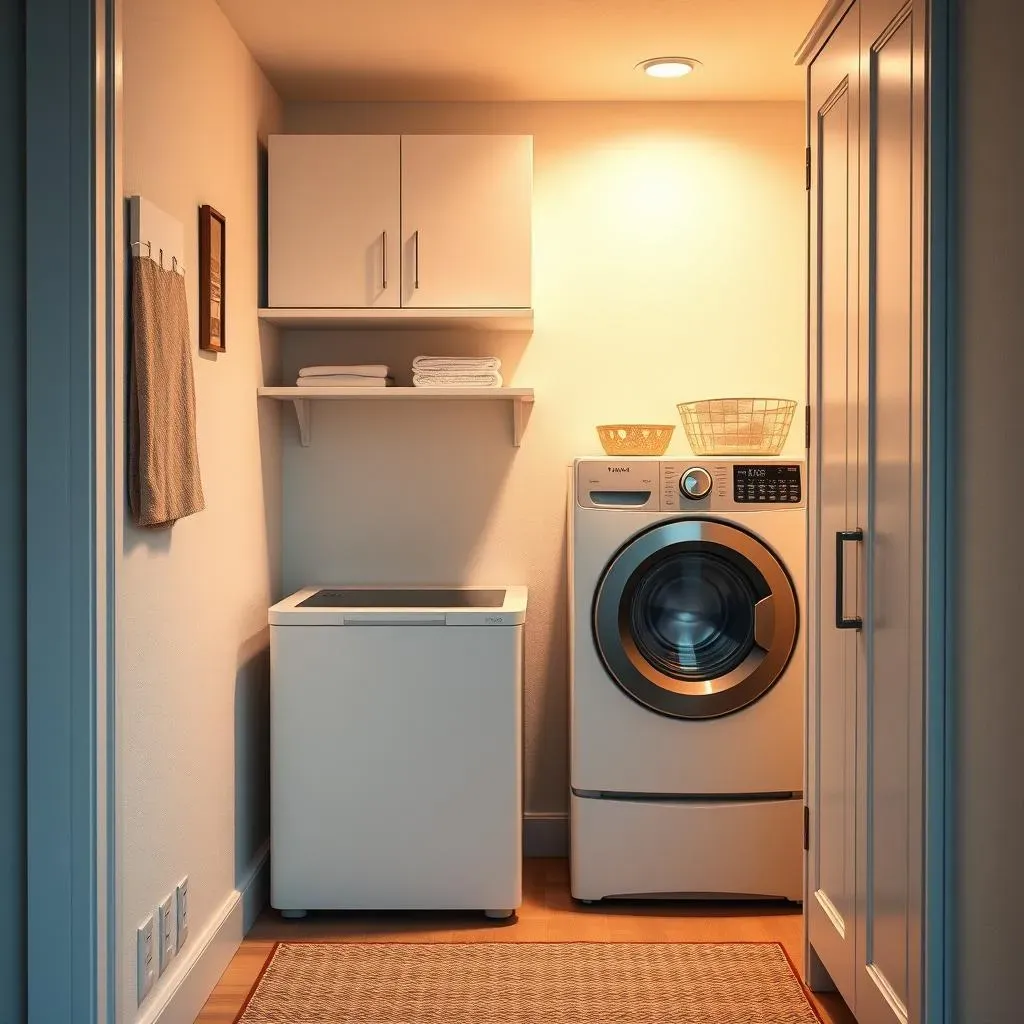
x,y
890,784
334,219
835,385
466,220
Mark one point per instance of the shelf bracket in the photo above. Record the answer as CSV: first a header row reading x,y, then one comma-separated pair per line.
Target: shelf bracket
x,y
304,414
521,409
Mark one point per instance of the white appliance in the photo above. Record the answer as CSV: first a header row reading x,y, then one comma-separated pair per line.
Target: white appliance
x,y
686,677
396,772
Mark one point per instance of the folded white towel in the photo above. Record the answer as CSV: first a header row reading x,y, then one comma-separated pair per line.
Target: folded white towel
x,y
369,370
456,364
344,380
457,380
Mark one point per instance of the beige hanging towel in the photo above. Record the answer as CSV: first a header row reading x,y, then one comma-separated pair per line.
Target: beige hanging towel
x,y
163,461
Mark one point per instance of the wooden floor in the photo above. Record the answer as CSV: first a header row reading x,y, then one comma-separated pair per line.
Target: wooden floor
x,y
548,914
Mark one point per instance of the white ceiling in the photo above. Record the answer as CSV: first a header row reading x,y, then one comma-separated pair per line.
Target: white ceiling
x,y
523,49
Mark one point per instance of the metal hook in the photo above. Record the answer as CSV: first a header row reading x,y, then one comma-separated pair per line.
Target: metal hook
x,y
175,265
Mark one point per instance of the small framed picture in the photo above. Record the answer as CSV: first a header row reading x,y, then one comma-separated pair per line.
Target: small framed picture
x,y
212,231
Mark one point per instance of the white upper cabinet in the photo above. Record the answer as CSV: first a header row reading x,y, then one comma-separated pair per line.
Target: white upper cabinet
x,y
412,221
466,220
334,221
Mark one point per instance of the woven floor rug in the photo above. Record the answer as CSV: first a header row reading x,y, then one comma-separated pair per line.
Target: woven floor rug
x,y
528,983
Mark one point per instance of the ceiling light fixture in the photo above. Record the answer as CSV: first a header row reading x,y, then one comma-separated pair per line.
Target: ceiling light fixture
x,y
668,67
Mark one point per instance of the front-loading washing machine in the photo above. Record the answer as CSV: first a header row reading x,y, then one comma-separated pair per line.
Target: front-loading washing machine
x,y
686,678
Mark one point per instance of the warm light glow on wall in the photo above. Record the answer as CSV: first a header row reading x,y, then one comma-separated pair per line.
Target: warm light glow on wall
x,y
647,187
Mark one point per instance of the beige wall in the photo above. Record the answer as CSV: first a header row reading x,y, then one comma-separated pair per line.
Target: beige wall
x,y
669,264
988,678
192,601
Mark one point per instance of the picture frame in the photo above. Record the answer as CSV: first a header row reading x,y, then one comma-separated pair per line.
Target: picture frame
x,y
212,252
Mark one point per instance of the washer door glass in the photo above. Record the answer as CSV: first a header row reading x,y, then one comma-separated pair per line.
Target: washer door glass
x,y
695,618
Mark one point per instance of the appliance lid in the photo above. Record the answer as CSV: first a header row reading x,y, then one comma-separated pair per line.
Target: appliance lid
x,y
401,605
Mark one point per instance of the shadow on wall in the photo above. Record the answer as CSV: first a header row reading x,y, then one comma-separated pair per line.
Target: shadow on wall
x,y
252,752
268,425
315,83
549,763
410,518
154,539
262,178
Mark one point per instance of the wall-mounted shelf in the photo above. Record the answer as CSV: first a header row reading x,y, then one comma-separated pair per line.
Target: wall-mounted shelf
x,y
400,319
521,400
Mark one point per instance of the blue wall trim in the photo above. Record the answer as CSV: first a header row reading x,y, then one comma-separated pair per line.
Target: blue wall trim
x,y
61,598
12,509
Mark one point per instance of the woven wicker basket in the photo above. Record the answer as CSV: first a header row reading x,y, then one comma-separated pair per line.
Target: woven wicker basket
x,y
737,426
635,438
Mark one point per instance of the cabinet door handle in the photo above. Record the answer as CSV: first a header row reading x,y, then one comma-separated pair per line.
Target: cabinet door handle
x,y
384,261
416,259
842,622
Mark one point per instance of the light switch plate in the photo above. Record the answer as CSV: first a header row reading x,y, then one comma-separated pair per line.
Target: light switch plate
x,y
182,903
166,919
146,957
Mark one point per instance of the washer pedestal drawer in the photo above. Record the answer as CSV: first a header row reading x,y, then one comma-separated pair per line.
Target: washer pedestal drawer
x,y
686,848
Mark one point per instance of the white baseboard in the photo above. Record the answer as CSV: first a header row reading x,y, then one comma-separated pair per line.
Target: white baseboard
x,y
255,888
546,834
197,968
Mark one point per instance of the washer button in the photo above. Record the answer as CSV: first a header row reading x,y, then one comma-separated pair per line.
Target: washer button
x,y
696,483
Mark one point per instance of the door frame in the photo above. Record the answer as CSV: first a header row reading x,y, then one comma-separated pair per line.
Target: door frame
x,y
940,317
939,682
73,330
71,220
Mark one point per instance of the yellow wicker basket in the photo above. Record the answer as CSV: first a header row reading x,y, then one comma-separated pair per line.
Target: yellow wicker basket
x,y
737,426
635,438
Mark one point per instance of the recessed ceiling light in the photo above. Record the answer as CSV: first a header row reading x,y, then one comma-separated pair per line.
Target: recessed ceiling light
x,y
668,67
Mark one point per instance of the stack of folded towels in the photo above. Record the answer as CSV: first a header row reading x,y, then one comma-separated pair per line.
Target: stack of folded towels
x,y
365,376
456,372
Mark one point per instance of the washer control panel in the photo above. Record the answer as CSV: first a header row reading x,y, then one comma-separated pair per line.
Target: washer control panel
x,y
694,486
760,484
645,484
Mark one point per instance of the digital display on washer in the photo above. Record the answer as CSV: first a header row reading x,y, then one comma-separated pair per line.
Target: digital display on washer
x,y
766,485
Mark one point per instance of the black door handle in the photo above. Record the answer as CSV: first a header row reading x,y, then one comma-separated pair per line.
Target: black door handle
x,y
842,622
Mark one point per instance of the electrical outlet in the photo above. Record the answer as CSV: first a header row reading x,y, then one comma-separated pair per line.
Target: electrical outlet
x,y
146,957
166,920
182,902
